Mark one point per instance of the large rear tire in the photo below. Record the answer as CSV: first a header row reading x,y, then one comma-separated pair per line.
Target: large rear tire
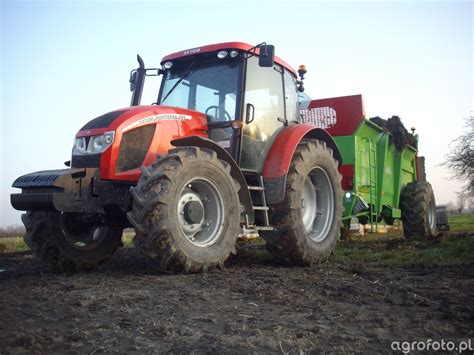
x,y
309,220
66,245
418,206
186,211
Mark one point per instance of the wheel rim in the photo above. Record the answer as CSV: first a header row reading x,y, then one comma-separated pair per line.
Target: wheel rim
x,y
431,214
317,204
79,236
201,212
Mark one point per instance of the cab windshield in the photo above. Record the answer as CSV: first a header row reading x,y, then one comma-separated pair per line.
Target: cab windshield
x,y
211,86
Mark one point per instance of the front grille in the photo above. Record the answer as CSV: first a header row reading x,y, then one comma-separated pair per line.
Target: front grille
x,y
134,147
86,161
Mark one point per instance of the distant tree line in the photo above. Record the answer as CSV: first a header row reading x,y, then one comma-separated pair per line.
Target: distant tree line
x,y
12,231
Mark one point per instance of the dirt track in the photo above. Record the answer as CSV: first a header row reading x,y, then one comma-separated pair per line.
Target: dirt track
x,y
250,306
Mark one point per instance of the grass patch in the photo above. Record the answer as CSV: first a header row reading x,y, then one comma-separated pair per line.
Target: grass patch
x,y
461,222
12,244
452,248
15,244
448,250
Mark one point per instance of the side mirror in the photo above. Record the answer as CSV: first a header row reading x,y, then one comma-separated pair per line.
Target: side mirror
x,y
133,80
267,55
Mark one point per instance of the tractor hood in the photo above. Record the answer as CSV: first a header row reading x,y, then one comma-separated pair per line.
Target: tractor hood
x,y
121,141
132,117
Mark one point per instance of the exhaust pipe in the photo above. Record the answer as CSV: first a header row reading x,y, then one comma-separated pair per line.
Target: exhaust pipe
x,y
137,80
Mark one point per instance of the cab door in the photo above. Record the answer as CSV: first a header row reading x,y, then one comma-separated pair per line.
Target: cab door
x,y
264,112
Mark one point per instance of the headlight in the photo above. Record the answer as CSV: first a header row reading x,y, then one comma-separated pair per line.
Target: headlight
x,y
96,145
80,146
222,54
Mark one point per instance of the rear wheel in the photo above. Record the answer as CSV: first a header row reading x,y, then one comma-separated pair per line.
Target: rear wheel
x,y
309,220
418,206
186,211
66,244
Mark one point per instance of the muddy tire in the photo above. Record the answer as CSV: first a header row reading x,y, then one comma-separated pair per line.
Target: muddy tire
x,y
309,220
65,247
186,211
418,206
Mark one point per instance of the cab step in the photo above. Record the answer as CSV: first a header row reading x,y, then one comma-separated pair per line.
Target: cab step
x,y
263,208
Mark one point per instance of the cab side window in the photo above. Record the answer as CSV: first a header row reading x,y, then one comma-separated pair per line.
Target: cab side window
x,y
291,97
264,91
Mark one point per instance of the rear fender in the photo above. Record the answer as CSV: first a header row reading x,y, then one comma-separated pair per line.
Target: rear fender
x,y
236,173
279,157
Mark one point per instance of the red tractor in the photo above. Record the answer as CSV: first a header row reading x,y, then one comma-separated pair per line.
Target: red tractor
x,y
222,149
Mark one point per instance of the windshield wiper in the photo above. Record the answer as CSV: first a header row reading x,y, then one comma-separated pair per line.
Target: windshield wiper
x,y
188,71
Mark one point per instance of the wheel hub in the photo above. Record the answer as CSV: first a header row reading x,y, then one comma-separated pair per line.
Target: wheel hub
x,y
317,204
193,212
79,235
201,212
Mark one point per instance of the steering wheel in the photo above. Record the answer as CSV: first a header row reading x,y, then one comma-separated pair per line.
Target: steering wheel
x,y
217,109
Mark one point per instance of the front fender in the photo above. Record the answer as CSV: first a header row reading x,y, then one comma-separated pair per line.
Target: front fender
x,y
279,157
236,173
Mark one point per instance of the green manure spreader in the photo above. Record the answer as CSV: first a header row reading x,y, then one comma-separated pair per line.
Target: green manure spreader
x,y
383,177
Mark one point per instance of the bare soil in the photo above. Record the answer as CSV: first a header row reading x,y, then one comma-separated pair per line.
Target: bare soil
x,y
253,305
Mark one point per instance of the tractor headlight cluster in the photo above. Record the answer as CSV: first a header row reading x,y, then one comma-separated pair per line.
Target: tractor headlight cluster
x,y
223,54
94,144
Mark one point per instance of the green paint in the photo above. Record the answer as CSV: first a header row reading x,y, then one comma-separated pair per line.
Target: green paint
x,y
381,171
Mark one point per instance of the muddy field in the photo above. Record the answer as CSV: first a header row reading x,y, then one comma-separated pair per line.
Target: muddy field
x,y
252,305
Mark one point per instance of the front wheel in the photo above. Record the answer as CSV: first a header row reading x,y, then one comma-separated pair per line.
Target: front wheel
x,y
186,211
309,219
65,243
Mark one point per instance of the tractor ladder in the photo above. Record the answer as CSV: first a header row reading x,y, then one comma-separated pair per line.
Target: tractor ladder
x,y
373,198
260,206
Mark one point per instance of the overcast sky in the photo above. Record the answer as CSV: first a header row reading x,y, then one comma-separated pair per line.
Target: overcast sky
x,y
65,62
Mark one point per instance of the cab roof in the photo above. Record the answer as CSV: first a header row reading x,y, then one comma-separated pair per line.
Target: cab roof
x,y
220,46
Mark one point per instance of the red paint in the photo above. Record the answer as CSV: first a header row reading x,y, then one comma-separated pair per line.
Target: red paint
x,y
220,46
165,132
347,172
91,132
279,157
349,112
418,167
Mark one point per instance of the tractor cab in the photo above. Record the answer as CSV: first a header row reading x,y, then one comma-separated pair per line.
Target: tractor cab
x,y
247,95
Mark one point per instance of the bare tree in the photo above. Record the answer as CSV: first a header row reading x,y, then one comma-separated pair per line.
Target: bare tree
x,y
460,160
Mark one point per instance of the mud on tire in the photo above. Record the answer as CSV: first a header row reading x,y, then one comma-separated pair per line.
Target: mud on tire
x,y
299,239
418,207
53,244
188,190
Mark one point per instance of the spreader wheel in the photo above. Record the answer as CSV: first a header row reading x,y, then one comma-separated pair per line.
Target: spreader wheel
x,y
418,206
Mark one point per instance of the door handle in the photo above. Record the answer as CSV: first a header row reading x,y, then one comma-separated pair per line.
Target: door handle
x,y
250,114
